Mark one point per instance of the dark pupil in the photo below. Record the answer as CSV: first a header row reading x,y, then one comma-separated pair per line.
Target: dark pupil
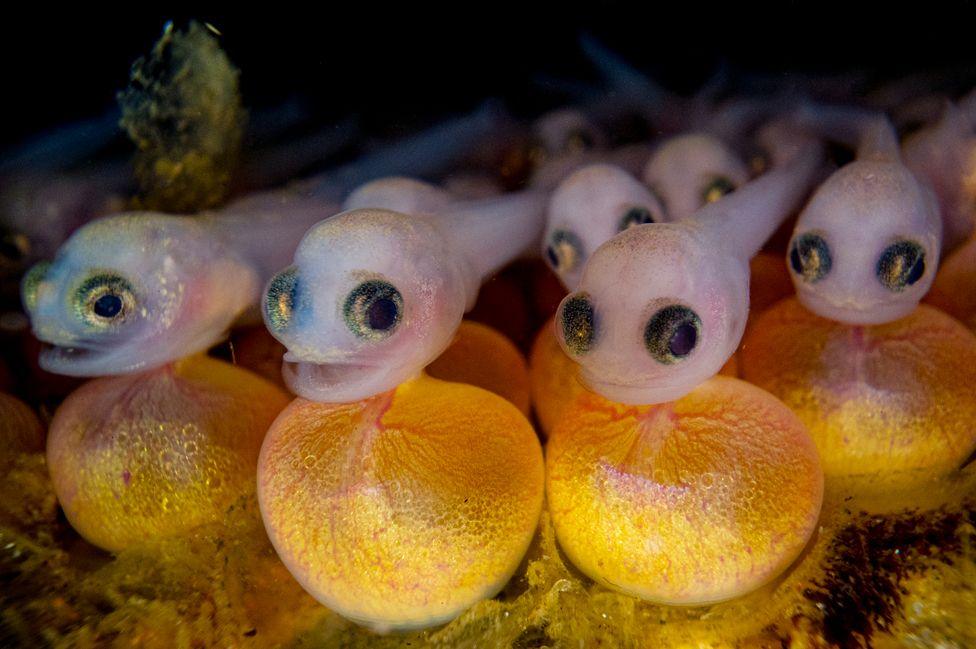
x,y
108,306
758,161
636,216
901,265
382,314
373,309
810,257
579,324
719,188
570,247
552,256
683,339
10,250
672,333
580,141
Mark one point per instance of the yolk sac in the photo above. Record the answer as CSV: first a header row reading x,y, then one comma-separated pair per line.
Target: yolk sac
x,y
483,357
142,456
690,502
887,405
404,509
954,288
20,430
555,379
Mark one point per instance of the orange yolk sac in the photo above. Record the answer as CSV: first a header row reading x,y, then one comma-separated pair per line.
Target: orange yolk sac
x,y
887,405
483,357
691,502
404,509
140,456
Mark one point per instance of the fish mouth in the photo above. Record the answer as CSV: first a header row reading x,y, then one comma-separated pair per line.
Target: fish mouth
x,y
340,382
70,360
635,393
853,313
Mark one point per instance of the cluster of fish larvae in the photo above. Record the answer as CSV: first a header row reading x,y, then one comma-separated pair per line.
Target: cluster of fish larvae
x,y
683,464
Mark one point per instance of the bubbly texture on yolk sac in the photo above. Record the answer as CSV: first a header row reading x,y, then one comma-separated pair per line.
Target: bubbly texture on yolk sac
x,y
483,357
886,404
141,456
689,502
402,510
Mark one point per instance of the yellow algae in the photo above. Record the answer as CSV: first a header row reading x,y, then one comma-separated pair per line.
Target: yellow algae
x,y
182,110
20,430
60,591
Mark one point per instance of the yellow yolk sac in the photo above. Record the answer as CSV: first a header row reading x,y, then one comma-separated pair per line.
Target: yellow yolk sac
x,y
690,502
555,378
483,357
402,510
20,430
887,405
140,456
954,288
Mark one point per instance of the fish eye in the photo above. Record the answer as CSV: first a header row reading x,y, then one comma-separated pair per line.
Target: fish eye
x,y
14,247
373,309
536,153
810,257
281,300
717,188
103,300
578,323
901,265
636,215
759,160
564,252
32,280
579,140
672,333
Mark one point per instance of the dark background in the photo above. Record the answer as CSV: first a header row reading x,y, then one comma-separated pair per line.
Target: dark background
x,y
407,65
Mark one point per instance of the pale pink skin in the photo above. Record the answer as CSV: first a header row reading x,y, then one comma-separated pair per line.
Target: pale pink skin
x,y
682,167
859,211
589,206
943,154
193,278
590,202
701,263
435,258
557,132
558,135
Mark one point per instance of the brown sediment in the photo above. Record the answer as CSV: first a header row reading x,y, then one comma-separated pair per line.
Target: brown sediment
x,y
862,590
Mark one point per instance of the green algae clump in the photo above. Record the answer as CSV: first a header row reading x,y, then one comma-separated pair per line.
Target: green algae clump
x,y
183,111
